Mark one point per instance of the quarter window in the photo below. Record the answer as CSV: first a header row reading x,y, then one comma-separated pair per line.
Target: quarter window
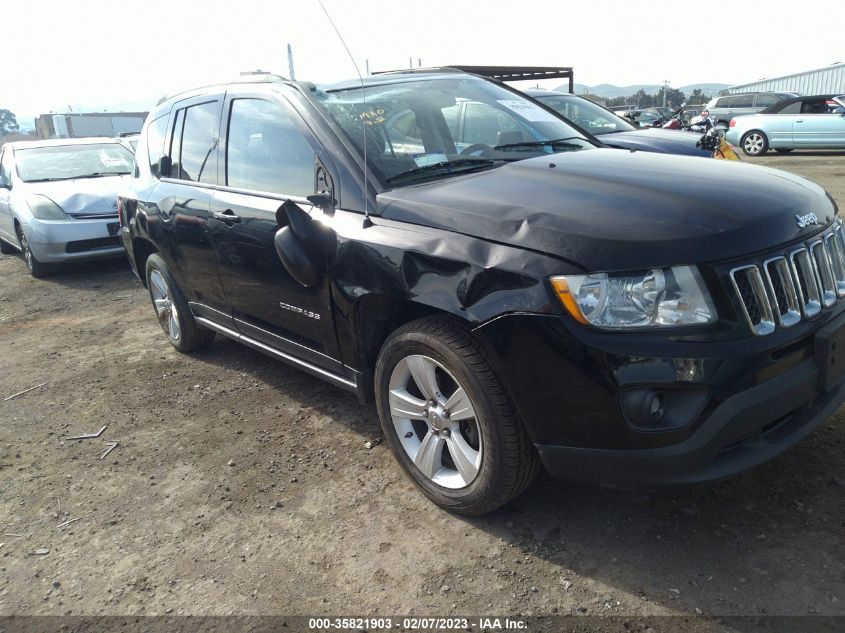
x,y
156,131
198,159
266,152
176,143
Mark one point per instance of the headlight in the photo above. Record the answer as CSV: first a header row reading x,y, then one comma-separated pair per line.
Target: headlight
x,y
654,298
45,209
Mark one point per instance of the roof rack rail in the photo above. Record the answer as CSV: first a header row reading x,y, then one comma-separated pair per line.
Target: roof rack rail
x,y
501,73
249,76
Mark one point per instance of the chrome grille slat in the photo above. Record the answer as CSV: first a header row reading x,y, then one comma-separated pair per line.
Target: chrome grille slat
x,y
749,286
792,284
824,274
836,253
805,276
783,292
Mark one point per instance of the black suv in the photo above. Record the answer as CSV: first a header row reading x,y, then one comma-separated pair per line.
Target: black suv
x,y
508,292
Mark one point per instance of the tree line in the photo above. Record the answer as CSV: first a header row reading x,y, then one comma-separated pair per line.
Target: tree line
x,y
8,122
641,99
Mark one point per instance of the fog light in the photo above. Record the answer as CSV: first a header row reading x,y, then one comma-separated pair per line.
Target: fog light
x,y
643,407
661,408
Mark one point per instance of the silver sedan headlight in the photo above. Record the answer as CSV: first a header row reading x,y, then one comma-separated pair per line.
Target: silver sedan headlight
x,y
660,297
45,209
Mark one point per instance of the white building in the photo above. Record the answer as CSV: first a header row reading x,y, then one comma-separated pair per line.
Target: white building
x,y
821,81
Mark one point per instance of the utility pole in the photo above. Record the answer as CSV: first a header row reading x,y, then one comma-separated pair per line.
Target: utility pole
x,y
665,88
290,64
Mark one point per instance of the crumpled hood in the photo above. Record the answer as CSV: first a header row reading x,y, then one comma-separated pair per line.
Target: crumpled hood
x,y
95,196
608,210
655,139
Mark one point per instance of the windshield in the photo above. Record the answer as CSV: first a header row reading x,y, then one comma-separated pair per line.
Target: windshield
x,y
64,162
432,128
586,114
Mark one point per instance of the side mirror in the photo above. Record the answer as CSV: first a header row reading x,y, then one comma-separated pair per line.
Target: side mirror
x,y
164,166
300,243
324,201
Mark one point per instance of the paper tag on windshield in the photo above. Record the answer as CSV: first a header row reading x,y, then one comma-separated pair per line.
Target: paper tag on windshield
x,y
528,111
422,160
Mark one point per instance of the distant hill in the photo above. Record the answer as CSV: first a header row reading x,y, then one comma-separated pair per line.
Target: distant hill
x,y
608,91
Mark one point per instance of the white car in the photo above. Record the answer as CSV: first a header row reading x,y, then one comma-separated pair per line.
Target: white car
x,y
58,199
800,123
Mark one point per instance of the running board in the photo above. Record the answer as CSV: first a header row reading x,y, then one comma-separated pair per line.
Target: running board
x,y
339,381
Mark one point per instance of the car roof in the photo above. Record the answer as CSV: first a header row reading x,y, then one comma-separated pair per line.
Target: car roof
x,y
539,92
394,77
780,105
165,103
56,142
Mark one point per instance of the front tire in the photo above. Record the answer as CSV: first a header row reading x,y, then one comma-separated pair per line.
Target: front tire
x,y
448,419
36,268
172,310
755,143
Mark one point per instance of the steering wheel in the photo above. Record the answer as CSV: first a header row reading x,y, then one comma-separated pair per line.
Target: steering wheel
x,y
475,147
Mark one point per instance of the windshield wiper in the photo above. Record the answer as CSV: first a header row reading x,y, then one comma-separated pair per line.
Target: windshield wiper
x,y
46,179
553,143
101,174
460,165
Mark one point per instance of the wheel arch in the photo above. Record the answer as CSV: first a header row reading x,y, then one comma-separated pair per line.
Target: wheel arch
x,y
141,251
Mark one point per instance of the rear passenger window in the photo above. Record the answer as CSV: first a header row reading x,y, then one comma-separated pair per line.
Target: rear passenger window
x,y
743,101
764,101
266,152
198,159
156,131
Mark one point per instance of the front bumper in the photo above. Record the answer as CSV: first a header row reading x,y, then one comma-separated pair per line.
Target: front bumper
x,y
763,395
745,431
70,240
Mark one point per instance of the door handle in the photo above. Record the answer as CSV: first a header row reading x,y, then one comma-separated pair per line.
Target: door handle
x,y
799,120
227,216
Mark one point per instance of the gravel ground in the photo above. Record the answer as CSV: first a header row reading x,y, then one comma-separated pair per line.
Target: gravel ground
x,y
242,486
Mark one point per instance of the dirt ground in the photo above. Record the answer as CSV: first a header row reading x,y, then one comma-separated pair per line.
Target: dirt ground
x,y
242,486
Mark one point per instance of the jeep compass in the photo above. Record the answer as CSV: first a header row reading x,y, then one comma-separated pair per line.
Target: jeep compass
x,y
509,293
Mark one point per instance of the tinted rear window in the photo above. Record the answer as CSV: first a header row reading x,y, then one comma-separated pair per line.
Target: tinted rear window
x,y
198,161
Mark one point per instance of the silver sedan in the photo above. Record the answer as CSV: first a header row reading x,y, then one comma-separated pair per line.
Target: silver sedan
x,y
58,200
800,123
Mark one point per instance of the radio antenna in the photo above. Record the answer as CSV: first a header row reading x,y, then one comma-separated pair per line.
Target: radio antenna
x,y
367,221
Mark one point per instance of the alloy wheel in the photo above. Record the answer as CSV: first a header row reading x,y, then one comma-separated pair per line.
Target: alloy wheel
x,y
168,315
435,421
753,143
27,254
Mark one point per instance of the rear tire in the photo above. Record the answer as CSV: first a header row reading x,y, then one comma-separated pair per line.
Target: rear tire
x,y
36,268
448,419
172,310
754,143
7,249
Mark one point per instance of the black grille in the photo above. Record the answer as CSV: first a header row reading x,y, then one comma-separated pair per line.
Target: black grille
x,y
777,286
80,246
746,293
